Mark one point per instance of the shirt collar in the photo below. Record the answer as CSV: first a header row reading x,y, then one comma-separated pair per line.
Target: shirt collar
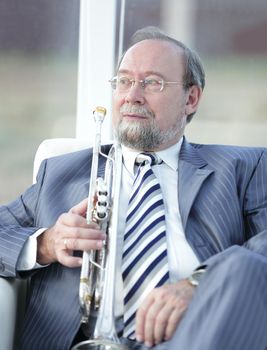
x,y
169,156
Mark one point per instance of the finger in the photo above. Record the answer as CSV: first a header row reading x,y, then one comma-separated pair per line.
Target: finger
x,y
140,318
150,323
173,322
80,208
66,259
81,233
75,220
162,320
74,244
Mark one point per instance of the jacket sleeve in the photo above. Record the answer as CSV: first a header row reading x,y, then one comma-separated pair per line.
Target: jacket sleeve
x,y
255,215
255,208
17,223
255,200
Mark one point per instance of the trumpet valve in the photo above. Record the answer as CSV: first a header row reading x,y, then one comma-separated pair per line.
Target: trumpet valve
x,y
101,200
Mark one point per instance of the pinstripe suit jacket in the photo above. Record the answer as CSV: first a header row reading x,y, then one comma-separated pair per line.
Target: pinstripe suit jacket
x,y
222,199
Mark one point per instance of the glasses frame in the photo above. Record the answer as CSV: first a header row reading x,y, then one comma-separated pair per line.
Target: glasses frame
x,y
114,81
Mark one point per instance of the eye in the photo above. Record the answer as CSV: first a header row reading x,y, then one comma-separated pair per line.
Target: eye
x,y
152,82
123,81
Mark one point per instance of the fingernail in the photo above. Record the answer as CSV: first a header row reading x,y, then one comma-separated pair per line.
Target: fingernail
x,y
148,344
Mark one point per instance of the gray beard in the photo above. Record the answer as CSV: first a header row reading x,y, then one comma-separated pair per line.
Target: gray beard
x,y
143,136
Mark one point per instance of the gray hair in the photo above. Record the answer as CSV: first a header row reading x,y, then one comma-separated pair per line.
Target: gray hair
x,y
194,72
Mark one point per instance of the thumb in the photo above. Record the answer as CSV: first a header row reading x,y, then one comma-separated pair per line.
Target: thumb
x,y
80,208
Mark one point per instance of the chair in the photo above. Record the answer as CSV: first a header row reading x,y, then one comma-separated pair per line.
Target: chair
x,y
55,147
12,306
13,291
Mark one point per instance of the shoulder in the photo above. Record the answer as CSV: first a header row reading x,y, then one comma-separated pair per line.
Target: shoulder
x,y
209,151
77,156
70,163
225,158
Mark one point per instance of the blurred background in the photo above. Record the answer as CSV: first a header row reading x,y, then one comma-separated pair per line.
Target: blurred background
x,y
39,43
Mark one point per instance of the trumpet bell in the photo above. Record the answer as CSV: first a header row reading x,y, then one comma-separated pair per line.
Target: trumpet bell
x,y
99,344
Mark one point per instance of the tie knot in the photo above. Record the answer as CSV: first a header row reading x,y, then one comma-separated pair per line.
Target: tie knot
x,y
151,158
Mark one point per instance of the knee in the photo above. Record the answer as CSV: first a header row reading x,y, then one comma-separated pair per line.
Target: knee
x,y
239,265
244,260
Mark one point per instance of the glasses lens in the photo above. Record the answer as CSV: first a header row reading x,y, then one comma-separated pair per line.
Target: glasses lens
x,y
124,84
113,83
153,85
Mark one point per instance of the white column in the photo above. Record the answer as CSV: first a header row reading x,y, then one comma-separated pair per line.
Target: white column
x,y
177,19
96,65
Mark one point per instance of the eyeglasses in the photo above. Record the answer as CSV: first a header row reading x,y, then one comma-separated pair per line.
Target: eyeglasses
x,y
123,84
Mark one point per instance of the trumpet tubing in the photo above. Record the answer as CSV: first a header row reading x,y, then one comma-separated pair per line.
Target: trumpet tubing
x,y
98,271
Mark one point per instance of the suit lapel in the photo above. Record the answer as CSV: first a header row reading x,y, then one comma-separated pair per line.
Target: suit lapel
x,y
193,171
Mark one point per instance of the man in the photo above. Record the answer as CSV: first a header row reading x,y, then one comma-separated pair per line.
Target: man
x,y
215,200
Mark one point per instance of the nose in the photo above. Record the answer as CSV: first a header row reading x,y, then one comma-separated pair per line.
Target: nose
x,y
135,94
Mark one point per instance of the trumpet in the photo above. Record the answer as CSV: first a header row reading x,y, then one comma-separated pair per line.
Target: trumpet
x,y
98,271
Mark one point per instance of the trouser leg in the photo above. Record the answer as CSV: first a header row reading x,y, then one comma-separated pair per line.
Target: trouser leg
x,y
229,309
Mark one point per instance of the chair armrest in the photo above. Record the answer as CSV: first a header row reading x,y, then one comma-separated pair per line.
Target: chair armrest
x,y
12,307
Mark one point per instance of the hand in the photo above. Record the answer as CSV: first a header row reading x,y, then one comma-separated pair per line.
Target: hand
x,y
71,232
161,312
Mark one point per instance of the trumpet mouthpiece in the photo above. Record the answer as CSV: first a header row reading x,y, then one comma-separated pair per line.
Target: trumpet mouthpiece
x,y
101,110
99,114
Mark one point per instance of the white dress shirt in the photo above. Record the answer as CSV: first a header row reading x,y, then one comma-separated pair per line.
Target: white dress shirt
x,y
181,258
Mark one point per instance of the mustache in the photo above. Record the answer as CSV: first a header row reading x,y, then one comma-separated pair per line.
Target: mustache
x,y
139,110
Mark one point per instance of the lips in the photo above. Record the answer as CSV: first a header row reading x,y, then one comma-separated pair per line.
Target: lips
x,y
135,112
131,115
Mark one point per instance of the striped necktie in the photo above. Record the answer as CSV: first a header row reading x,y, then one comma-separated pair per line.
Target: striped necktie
x,y
144,259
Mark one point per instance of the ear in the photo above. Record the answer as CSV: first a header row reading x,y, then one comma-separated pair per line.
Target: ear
x,y
193,96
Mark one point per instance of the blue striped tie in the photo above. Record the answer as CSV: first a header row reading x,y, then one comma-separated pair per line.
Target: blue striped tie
x,y
144,259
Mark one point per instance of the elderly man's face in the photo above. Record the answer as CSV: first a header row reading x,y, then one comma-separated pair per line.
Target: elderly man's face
x,y
146,120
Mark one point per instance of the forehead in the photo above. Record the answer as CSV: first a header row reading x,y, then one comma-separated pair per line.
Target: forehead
x,y
150,56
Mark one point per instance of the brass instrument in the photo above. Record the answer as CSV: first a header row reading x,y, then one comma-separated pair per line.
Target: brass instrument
x,y
97,280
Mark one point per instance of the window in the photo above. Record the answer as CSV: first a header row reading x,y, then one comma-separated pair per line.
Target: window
x,y
230,38
38,69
